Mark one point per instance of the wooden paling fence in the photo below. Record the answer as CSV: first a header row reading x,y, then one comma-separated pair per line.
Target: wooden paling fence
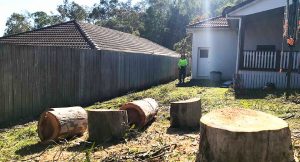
x,y
33,79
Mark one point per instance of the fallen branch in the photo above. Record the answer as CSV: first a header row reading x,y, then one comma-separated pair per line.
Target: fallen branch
x,y
287,116
156,153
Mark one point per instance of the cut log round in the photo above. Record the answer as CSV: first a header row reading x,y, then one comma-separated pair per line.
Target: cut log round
x,y
243,135
186,114
141,112
106,125
57,123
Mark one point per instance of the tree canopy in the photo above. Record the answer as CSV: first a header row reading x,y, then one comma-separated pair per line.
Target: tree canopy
x,y
17,23
161,21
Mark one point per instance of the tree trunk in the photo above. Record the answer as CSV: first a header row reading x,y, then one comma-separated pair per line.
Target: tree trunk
x,y
141,112
57,123
243,135
106,125
186,114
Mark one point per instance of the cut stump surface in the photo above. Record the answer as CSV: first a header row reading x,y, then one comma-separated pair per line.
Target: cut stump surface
x,y
243,135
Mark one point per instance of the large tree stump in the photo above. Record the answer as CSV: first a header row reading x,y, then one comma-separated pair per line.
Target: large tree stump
x,y
186,114
141,112
243,135
107,125
57,123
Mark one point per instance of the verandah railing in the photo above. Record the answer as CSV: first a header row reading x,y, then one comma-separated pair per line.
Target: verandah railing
x,y
268,60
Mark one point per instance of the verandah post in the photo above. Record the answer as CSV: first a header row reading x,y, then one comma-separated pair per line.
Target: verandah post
x,y
290,64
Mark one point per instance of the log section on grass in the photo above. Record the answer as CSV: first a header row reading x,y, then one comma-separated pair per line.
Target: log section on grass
x,y
106,125
243,135
186,114
57,123
141,112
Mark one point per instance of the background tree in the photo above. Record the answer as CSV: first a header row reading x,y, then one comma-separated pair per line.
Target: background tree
x,y
122,16
155,20
105,10
42,19
176,25
184,45
127,18
72,11
17,23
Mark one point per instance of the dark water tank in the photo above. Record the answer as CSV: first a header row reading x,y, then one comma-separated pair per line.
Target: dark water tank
x,y
215,76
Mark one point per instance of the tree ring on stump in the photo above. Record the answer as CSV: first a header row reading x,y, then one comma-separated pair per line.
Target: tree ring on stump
x,y
135,114
48,126
141,112
244,135
242,120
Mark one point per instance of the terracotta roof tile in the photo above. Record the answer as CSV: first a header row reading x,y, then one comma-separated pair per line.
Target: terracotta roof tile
x,y
110,39
216,22
86,36
65,34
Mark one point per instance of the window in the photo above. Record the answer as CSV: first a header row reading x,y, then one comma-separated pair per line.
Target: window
x,y
266,48
203,53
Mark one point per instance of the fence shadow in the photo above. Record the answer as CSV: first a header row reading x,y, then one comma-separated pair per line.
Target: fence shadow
x,y
21,121
261,94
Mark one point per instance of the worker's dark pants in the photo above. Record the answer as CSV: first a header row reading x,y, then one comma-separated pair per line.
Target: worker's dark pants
x,y
182,73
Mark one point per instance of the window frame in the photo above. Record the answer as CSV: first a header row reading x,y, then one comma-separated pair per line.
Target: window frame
x,y
203,49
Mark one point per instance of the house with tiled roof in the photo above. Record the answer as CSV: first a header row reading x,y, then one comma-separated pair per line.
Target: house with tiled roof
x,y
80,35
245,44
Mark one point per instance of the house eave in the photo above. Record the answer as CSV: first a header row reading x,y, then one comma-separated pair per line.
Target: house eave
x,y
256,6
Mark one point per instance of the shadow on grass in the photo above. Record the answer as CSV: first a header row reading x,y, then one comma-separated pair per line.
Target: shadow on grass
x,y
9,124
199,83
131,134
34,149
181,131
40,148
87,145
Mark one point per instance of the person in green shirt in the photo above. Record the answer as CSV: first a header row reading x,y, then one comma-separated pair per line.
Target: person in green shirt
x,y
182,64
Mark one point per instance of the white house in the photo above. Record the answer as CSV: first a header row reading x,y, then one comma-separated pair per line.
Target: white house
x,y
246,43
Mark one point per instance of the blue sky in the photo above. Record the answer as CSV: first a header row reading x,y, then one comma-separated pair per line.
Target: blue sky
x,y
7,7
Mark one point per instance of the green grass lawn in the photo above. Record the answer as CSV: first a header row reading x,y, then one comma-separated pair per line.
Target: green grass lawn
x,y
22,143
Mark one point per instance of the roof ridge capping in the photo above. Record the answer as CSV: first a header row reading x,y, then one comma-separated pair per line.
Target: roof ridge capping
x,y
86,36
